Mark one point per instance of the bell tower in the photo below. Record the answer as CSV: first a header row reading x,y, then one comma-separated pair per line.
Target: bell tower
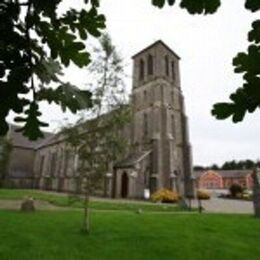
x,y
159,121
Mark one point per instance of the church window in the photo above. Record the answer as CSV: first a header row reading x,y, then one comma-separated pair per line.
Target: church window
x,y
145,96
153,184
133,100
172,98
173,70
53,164
145,125
66,162
76,162
166,60
141,70
173,124
150,65
162,92
42,164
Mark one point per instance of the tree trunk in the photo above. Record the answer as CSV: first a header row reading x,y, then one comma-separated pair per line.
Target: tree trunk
x,y
256,201
86,217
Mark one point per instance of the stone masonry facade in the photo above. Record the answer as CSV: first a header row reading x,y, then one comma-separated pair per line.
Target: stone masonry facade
x,y
161,154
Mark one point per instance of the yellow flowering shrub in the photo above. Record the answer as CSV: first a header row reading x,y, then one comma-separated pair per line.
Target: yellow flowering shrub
x,y
203,195
165,195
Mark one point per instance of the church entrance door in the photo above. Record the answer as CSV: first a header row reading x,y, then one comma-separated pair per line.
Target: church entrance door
x,y
124,185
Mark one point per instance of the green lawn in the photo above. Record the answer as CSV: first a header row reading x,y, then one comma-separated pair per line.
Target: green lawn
x,y
126,235
66,201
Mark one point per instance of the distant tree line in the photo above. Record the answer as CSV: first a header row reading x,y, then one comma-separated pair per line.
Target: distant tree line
x,y
230,165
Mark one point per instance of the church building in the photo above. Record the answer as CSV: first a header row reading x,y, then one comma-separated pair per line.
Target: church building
x,y
161,154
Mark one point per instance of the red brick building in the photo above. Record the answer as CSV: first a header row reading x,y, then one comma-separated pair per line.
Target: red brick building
x,y
223,179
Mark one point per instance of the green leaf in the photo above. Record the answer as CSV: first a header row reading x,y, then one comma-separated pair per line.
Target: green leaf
x,y
32,125
158,3
67,96
254,34
201,6
222,110
253,5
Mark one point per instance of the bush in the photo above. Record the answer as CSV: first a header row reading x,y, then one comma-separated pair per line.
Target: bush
x,y
165,195
235,189
203,195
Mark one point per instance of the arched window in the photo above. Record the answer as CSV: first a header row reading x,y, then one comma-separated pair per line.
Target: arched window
x,y
133,99
141,70
173,125
166,61
53,164
42,159
145,125
173,70
145,96
150,65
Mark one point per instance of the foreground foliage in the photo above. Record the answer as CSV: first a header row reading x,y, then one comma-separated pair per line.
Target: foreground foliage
x,y
39,41
203,195
120,235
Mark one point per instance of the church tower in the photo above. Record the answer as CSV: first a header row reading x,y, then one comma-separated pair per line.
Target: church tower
x,y
159,121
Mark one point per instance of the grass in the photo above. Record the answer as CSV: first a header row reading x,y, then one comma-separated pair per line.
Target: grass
x,y
68,201
126,235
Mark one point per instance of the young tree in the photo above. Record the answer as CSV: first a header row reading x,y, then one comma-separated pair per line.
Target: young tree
x,y
100,141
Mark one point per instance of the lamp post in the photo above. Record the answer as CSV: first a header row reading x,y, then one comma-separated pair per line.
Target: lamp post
x,y
108,184
190,194
173,180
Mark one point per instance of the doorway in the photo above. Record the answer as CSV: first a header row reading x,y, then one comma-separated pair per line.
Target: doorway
x,y
124,185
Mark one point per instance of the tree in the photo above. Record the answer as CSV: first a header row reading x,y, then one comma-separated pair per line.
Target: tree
x,y
235,189
5,152
214,167
38,43
198,168
99,141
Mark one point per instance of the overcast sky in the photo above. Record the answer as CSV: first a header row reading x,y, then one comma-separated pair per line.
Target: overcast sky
x,y
206,45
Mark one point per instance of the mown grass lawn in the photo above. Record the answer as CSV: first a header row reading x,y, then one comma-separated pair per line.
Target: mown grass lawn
x,y
64,200
127,235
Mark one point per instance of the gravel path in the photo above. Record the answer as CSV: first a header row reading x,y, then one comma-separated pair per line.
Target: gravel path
x,y
16,204
219,205
214,205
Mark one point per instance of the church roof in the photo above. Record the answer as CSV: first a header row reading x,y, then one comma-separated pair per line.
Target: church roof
x,y
18,140
154,44
225,173
132,159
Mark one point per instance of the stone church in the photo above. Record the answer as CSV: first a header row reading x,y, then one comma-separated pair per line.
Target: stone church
x,y
161,157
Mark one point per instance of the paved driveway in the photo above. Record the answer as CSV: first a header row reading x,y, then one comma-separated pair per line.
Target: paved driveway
x,y
221,205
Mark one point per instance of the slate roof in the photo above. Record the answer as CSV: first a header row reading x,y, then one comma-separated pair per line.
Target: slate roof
x,y
18,140
132,159
225,173
234,173
155,43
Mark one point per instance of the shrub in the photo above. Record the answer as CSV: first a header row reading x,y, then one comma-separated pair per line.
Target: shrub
x,y
247,195
203,195
165,195
235,189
